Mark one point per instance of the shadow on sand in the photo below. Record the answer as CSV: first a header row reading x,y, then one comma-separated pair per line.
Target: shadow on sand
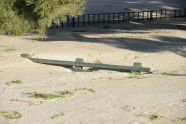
x,y
161,43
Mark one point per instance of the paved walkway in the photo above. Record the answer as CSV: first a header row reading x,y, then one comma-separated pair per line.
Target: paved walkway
x,y
100,6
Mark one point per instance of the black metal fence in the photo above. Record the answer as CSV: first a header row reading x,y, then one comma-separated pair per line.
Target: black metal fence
x,y
122,17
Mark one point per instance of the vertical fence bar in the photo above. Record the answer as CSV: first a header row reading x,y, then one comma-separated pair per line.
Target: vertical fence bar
x,y
62,24
161,13
83,20
52,25
118,17
179,13
108,18
93,19
128,16
113,17
143,15
156,14
165,13
98,19
151,15
78,21
123,17
184,12
175,13
138,17
103,18
68,20
88,19
73,22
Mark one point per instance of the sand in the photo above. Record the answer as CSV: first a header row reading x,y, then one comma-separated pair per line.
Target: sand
x,y
119,97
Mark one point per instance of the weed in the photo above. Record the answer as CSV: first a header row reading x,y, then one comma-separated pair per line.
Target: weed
x,y
181,119
48,96
10,49
28,101
126,108
184,100
66,93
136,57
17,82
61,115
11,115
136,76
152,117
90,90
174,72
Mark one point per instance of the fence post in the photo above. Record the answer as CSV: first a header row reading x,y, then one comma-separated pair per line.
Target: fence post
x,y
128,16
123,17
73,22
83,20
78,21
108,18
93,19
118,17
103,18
113,18
68,20
161,14
98,19
138,17
175,13
61,24
143,15
88,19
184,11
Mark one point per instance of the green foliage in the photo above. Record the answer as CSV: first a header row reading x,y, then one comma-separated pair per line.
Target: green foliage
x,y
22,16
183,119
152,117
48,96
11,115
14,82
57,116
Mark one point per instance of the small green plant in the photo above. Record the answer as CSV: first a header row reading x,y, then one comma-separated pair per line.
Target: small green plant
x,y
57,116
90,90
184,100
152,117
136,76
174,72
28,101
11,115
17,82
48,96
183,119
10,49
126,108
64,94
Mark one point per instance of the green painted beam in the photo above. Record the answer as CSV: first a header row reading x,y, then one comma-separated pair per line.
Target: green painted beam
x,y
135,68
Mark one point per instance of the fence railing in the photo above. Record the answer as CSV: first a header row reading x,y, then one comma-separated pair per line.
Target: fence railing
x,y
122,17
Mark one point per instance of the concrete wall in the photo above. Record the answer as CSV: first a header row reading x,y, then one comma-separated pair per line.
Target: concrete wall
x,y
100,6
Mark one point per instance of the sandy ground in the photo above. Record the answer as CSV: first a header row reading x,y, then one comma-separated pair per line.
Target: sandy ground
x,y
118,98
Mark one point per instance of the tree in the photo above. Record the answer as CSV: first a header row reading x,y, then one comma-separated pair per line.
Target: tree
x,y
22,16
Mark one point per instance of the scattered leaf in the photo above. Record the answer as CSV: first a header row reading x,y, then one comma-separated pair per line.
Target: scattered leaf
x,y
61,115
181,119
11,115
17,82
